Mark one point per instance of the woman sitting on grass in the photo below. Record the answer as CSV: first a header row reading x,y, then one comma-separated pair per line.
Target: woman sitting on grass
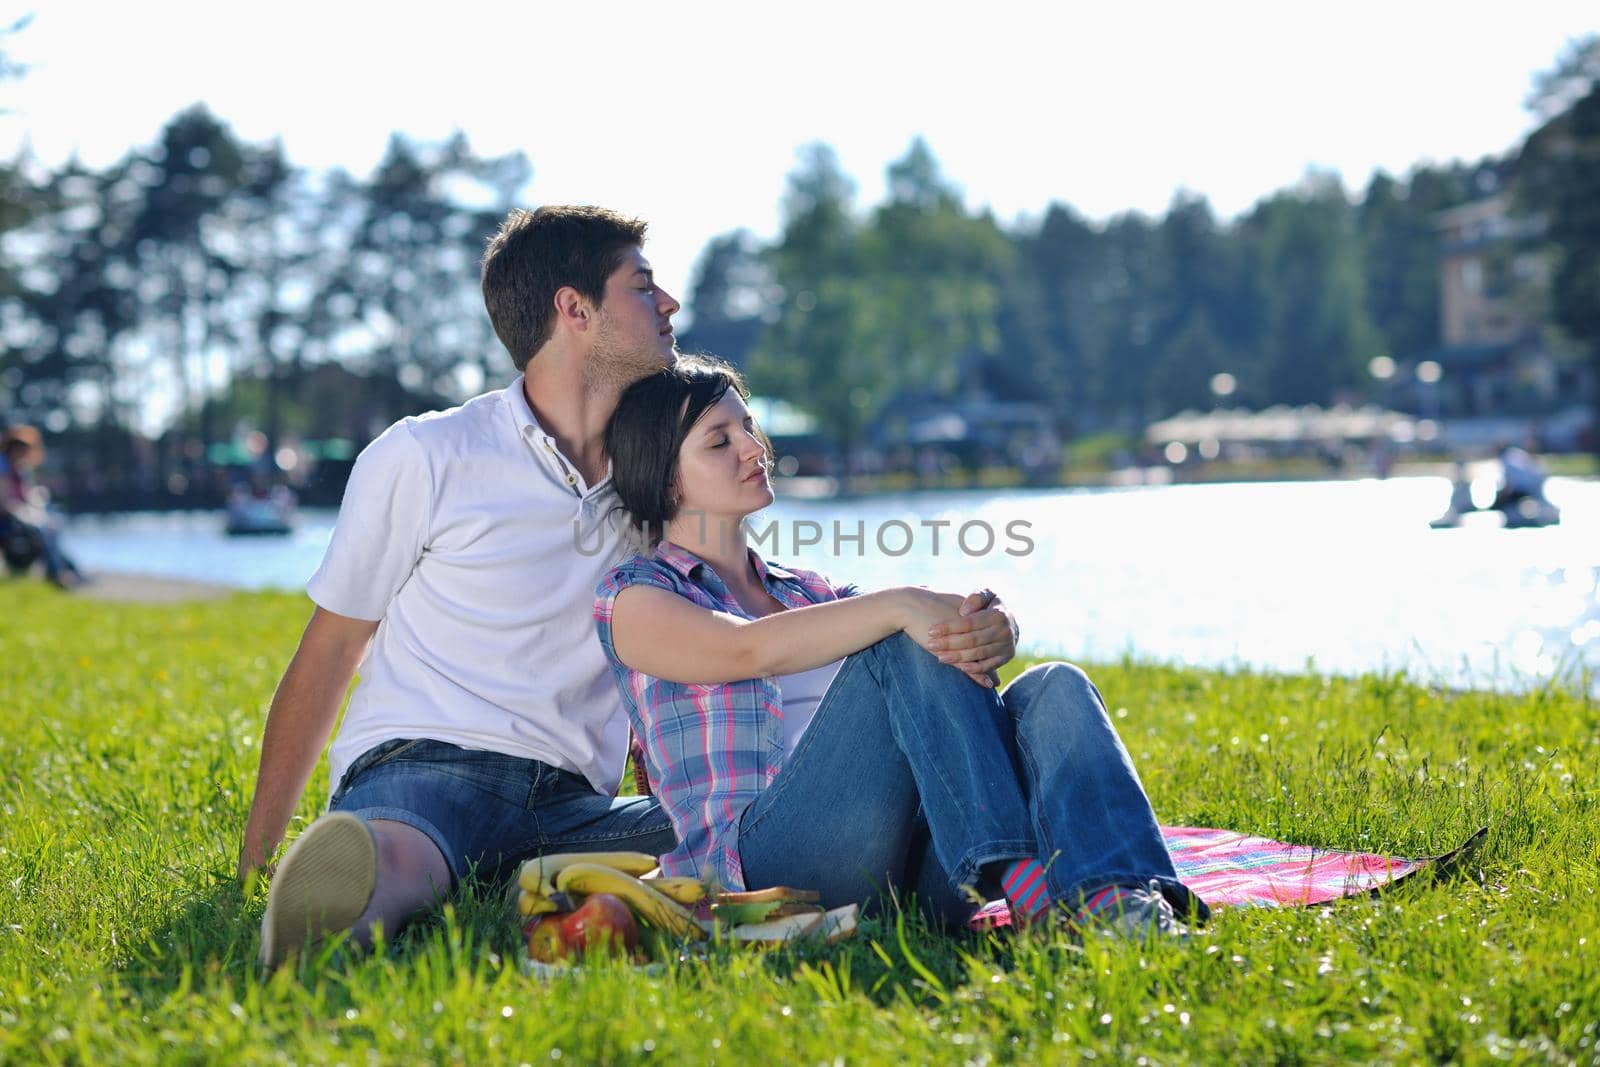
x,y
25,520
854,756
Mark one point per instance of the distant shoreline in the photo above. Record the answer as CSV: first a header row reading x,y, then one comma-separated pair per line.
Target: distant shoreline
x,y
1581,467
1154,475
124,587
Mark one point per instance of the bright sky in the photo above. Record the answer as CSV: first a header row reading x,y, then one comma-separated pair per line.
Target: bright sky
x,y
689,114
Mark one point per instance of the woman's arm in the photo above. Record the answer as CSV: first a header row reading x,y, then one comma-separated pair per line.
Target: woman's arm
x,y
666,636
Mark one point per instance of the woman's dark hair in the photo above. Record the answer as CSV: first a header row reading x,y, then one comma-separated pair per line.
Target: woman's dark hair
x,y
653,418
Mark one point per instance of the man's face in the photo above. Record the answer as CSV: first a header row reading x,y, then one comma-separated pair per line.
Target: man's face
x,y
633,333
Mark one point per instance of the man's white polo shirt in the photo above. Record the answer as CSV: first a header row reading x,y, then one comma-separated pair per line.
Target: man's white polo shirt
x,y
477,547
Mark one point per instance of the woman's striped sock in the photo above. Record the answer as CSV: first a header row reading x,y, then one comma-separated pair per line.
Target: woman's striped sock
x,y
1023,885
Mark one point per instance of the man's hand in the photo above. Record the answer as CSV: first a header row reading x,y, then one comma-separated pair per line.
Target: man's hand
x,y
251,872
258,853
984,638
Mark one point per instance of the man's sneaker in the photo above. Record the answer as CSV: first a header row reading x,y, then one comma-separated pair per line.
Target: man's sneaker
x,y
322,886
1138,913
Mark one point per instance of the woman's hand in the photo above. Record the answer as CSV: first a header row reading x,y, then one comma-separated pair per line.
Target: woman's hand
x,y
982,639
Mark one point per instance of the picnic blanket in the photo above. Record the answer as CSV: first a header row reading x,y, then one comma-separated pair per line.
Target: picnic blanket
x,y
1228,869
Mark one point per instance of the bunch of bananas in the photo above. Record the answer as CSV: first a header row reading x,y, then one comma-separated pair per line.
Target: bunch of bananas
x,y
559,885
662,903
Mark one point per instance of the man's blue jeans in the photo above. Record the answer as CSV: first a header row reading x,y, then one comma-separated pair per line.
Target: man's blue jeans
x,y
914,778
487,811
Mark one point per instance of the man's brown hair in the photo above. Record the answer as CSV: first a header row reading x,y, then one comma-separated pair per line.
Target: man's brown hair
x,y
538,252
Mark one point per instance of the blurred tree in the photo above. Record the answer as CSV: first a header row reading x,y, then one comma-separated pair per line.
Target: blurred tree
x,y
1128,329
1560,179
1315,336
22,200
819,226
1053,319
907,303
78,310
917,184
731,299
1400,250
19,198
812,354
273,223
1575,74
412,270
1200,325
185,261
935,273
1186,363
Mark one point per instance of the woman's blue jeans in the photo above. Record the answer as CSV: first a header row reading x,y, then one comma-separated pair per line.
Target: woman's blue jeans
x,y
912,777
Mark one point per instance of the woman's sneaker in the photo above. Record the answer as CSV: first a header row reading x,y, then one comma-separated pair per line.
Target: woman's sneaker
x,y
322,886
1130,912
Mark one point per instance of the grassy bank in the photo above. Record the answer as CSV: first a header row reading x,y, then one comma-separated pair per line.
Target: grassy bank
x,y
130,736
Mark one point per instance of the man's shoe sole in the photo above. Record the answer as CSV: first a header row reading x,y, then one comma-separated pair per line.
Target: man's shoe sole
x,y
323,885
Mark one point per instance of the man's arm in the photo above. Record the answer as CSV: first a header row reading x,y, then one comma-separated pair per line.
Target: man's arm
x,y
298,723
983,639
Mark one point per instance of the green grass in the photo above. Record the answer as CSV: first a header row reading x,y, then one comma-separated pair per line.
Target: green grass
x,y
1579,465
127,755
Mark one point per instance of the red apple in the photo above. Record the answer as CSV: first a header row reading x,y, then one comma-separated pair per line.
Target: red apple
x,y
602,921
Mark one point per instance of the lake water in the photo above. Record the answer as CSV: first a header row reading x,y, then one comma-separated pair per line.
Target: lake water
x,y
1341,576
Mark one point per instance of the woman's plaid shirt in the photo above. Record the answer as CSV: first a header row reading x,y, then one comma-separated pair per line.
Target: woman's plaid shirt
x,y
708,750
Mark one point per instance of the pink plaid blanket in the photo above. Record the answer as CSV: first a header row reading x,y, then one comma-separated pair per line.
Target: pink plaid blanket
x,y
1228,869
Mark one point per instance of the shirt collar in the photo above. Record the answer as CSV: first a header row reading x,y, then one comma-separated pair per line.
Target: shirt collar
x,y
685,563
527,425
765,569
521,411
679,559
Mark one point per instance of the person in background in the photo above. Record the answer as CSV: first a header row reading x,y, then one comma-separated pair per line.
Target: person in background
x,y
1461,490
24,504
1521,478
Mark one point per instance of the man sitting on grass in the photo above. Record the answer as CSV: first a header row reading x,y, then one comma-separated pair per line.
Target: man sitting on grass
x,y
486,728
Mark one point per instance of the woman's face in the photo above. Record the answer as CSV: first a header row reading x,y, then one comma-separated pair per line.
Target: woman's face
x,y
722,465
